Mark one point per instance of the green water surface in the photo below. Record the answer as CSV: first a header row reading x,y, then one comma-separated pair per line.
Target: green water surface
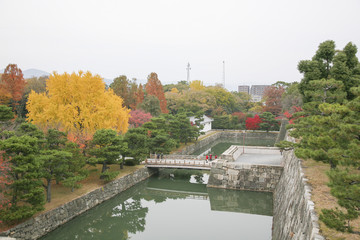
x,y
175,204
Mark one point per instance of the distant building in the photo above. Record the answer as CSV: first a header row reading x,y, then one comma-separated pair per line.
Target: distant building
x,y
244,88
206,122
258,89
256,98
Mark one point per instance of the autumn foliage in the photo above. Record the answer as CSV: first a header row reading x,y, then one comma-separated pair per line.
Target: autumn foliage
x,y
272,96
240,115
155,88
12,84
253,123
289,114
197,85
138,118
139,95
5,96
78,104
5,179
128,90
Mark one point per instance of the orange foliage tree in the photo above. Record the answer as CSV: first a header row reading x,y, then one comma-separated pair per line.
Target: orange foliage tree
x,y
139,94
12,84
5,96
128,90
272,96
79,104
155,88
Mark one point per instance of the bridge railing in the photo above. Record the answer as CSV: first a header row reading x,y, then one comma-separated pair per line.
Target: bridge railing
x,y
178,162
175,156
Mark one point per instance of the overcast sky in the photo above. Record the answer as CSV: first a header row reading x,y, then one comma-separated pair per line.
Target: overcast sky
x,y
260,41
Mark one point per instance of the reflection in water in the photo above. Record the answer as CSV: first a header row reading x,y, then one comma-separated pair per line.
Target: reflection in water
x,y
220,145
114,219
241,201
174,204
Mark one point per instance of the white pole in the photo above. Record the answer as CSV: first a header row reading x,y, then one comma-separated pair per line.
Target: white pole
x,y
188,73
223,74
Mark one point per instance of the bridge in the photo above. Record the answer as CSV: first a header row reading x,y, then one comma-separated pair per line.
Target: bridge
x,y
178,161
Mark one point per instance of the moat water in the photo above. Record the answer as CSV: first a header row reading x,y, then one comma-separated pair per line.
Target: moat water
x,y
175,204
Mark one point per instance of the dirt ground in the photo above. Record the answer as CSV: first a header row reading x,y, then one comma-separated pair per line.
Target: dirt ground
x,y
315,172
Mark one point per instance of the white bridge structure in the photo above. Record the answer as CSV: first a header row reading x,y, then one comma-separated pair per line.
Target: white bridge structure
x,y
178,161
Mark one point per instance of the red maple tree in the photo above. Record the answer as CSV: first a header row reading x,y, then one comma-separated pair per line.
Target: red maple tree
x,y
154,87
253,123
138,118
289,114
12,82
240,115
272,96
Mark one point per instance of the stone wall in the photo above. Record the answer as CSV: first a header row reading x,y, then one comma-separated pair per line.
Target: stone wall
x,y
48,221
259,203
199,144
294,216
244,176
249,134
226,134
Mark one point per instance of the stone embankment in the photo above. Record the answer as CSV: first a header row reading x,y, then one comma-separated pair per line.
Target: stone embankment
x,y
294,215
244,176
48,221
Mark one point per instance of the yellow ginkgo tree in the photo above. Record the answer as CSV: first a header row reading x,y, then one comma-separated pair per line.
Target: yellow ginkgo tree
x,y
197,85
77,103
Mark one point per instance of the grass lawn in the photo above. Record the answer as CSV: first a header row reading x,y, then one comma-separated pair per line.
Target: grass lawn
x,y
316,173
61,195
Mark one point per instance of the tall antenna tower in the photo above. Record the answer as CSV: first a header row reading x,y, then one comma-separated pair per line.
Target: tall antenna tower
x,y
223,74
188,73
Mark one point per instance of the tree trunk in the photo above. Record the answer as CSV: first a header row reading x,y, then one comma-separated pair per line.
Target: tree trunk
x,y
48,190
332,165
104,168
122,163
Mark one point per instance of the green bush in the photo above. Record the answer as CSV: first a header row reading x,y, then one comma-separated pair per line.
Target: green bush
x,y
16,214
335,219
130,162
108,176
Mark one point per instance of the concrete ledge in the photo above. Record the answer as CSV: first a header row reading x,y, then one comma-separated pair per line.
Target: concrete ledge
x,y
235,151
232,153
